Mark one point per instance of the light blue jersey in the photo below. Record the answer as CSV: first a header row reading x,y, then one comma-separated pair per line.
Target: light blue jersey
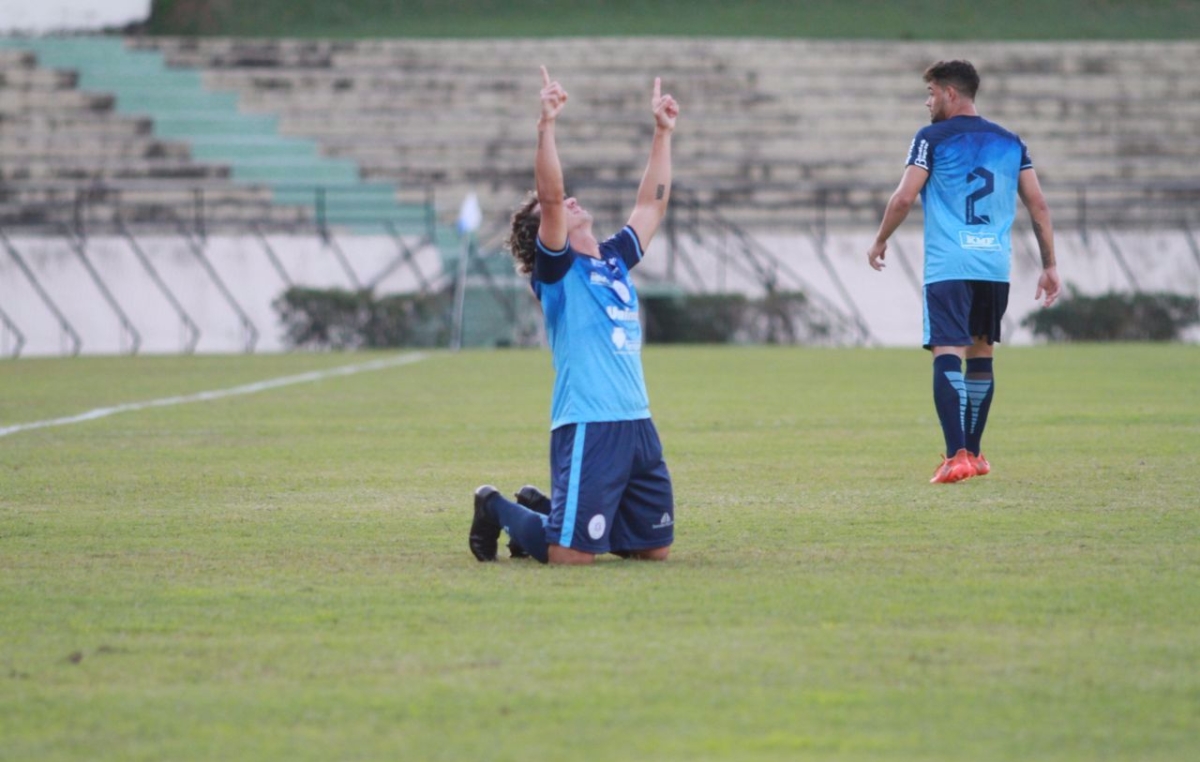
x,y
970,198
591,312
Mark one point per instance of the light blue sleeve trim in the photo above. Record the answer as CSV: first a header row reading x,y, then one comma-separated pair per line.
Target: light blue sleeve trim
x,y
551,252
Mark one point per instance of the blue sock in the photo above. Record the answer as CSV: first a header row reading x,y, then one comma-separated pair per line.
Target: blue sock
x,y
950,400
523,525
980,384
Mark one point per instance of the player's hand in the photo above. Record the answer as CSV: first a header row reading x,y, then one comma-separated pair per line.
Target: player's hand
x,y
554,97
876,254
1049,286
664,107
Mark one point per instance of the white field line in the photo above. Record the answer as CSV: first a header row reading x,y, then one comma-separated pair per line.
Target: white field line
x,y
260,386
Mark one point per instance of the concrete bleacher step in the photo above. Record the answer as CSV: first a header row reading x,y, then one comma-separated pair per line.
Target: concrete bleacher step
x,y
54,101
22,150
249,146
73,125
118,169
196,124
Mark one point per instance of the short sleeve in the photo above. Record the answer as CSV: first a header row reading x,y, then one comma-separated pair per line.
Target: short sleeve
x,y
919,153
627,245
1026,161
551,266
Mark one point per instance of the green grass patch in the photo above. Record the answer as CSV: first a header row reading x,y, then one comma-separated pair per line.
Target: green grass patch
x,y
284,575
849,19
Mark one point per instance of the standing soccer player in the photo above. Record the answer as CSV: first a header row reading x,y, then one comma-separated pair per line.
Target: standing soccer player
x,y
969,173
610,488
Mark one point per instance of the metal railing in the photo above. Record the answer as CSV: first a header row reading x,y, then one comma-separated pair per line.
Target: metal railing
x,y
102,207
96,208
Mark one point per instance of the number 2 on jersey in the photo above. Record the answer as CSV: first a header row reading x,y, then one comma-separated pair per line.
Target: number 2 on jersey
x,y
989,184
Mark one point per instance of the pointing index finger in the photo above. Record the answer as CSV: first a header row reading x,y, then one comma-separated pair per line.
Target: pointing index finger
x,y
657,88
545,77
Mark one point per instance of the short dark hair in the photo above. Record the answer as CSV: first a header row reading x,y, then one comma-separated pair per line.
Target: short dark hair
x,y
960,75
522,239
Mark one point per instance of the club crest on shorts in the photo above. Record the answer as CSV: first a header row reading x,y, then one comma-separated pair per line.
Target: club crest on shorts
x,y
596,527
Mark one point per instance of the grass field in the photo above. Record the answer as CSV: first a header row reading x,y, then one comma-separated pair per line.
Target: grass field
x,y
284,575
851,19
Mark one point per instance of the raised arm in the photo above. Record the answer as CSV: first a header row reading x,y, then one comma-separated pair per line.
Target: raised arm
x,y
1030,191
898,207
655,190
547,170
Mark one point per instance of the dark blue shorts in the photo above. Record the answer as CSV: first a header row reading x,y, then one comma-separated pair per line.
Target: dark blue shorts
x,y
956,311
610,488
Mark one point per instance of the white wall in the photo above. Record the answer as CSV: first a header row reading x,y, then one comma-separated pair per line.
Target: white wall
x,y
888,302
242,264
39,16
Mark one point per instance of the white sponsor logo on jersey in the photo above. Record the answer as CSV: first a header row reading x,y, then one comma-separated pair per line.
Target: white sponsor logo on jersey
x,y
622,290
979,241
922,157
619,337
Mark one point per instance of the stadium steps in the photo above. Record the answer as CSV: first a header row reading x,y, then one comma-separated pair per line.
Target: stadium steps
x,y
183,110
68,157
760,115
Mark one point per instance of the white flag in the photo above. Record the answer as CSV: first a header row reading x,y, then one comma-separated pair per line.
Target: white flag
x,y
469,214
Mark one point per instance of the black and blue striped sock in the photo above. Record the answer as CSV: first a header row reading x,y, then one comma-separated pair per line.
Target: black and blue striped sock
x,y
981,383
950,400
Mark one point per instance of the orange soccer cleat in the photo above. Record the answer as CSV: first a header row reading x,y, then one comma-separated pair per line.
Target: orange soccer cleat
x,y
981,465
955,469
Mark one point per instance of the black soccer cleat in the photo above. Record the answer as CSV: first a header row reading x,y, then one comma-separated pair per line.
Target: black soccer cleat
x,y
534,499
485,530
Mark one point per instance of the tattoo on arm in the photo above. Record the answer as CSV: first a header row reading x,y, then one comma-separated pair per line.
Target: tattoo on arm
x,y
1043,246
541,134
658,194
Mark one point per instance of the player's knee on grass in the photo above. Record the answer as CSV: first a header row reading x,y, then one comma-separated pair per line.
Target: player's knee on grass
x,y
653,554
560,555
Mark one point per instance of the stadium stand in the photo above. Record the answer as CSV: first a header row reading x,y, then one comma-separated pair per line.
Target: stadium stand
x,y
69,157
779,133
787,152
198,134
773,127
